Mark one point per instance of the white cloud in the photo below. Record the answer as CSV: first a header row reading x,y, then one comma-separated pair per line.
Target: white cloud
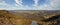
x,y
52,5
18,2
55,3
5,6
35,2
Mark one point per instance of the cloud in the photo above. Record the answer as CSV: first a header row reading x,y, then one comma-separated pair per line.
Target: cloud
x,y
35,2
49,5
52,5
55,3
18,2
5,6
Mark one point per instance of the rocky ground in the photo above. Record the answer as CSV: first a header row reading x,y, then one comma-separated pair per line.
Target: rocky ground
x,y
26,17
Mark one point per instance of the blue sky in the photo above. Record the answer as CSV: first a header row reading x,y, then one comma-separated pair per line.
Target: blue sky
x,y
11,2
29,4
25,2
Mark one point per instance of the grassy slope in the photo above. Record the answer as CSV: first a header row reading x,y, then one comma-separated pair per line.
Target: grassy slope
x,y
7,18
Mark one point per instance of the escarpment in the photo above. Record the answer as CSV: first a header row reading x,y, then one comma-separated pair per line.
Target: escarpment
x,y
7,18
26,18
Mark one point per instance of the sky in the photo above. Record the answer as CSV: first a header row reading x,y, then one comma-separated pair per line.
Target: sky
x,y
29,4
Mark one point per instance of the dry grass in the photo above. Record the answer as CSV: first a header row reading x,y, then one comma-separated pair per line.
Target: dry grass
x,y
7,18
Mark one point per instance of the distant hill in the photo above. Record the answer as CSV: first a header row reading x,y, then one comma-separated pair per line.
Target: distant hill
x,y
42,16
36,13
